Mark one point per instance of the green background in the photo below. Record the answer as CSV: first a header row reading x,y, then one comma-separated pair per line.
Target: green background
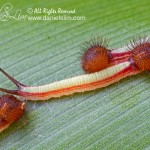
x,y
39,52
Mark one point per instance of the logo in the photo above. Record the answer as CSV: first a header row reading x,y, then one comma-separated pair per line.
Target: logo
x,y
5,13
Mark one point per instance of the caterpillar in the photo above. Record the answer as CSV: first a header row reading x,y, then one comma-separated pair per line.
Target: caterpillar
x,y
130,60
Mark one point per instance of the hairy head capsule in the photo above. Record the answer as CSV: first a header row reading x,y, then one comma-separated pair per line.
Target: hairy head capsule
x,y
141,53
11,109
96,56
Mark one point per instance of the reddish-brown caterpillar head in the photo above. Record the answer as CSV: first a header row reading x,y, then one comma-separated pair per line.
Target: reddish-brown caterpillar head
x,y
96,56
11,109
141,53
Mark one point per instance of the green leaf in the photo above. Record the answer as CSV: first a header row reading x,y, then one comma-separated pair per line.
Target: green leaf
x,y
39,52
